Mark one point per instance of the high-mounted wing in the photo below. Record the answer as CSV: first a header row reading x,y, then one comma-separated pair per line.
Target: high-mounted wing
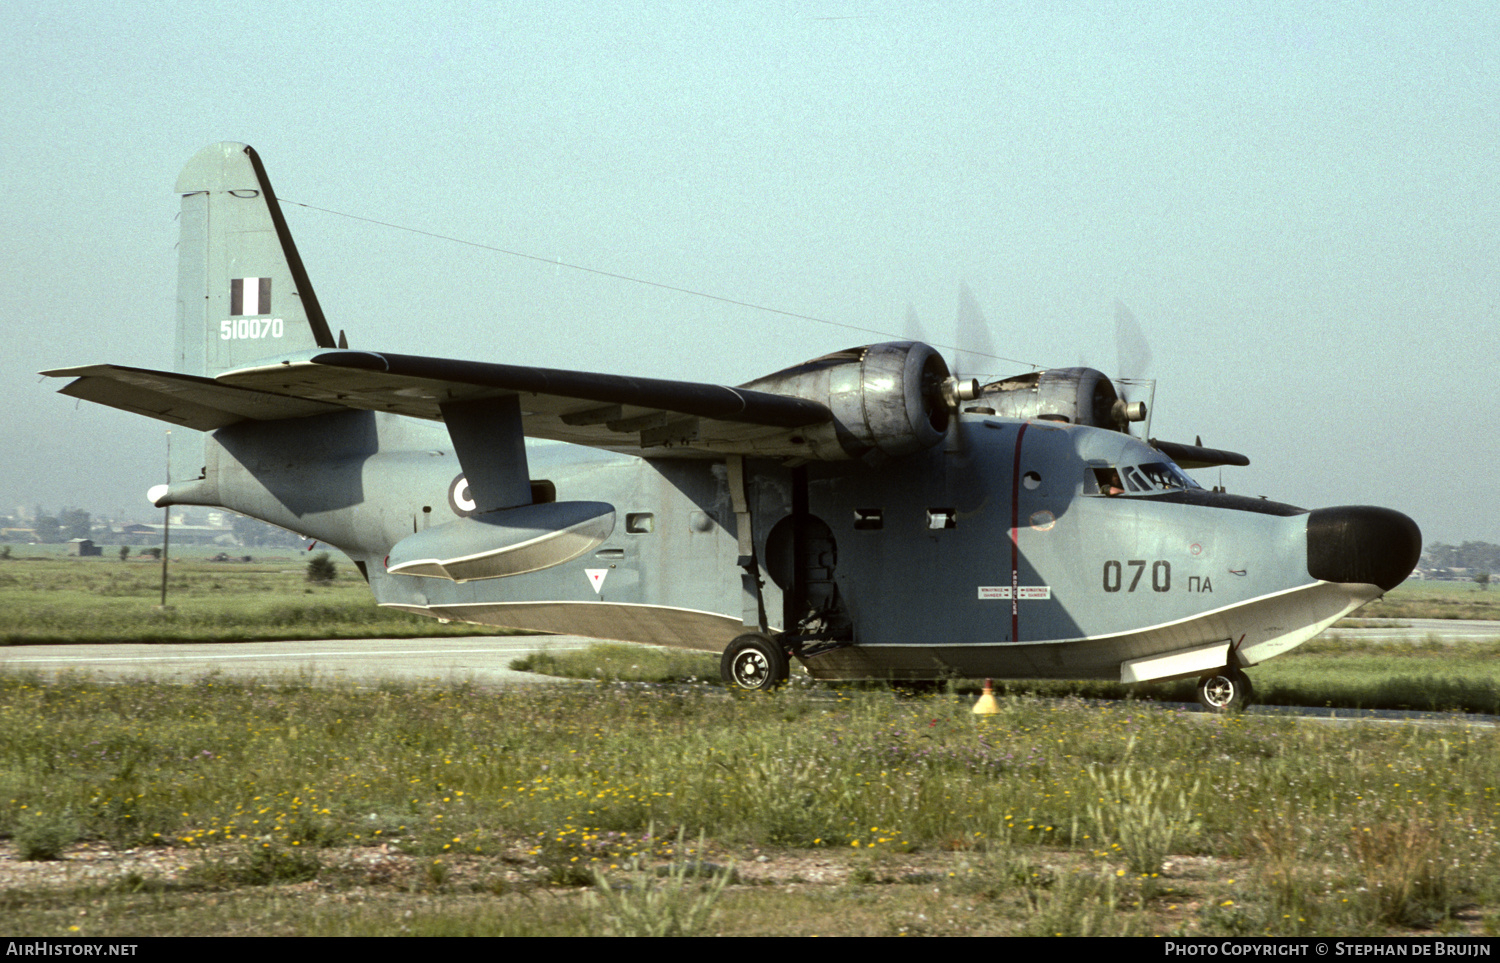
x,y
1196,456
614,412
187,400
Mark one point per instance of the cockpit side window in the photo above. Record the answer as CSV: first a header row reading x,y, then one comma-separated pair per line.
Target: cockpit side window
x,y
1107,481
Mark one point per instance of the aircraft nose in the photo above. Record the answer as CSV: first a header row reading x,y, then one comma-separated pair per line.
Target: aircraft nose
x,y
1360,543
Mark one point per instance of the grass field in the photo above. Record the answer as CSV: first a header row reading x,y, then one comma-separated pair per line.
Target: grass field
x,y
47,599
278,807
1435,600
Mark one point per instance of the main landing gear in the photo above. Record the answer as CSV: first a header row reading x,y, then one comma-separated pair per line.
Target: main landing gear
x,y
754,662
1227,690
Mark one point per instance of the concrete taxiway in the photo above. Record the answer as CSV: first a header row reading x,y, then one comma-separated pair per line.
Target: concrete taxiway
x,y
481,659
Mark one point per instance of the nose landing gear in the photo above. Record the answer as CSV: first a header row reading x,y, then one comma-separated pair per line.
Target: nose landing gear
x,y
1227,690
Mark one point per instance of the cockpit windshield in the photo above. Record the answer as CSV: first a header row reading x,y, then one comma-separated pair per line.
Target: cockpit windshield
x,y
1163,476
1148,479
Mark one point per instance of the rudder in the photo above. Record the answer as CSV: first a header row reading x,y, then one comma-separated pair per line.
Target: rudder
x,y
242,292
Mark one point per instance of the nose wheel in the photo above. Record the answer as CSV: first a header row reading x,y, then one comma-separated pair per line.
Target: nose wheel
x,y
754,662
1227,690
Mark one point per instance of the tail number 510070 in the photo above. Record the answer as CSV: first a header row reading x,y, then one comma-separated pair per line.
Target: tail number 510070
x,y
250,329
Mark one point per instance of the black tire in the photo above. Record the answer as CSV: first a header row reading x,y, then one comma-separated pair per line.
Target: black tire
x,y
1227,690
754,663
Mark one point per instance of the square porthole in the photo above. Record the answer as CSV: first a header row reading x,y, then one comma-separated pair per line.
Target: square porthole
x,y
640,523
938,518
543,492
869,519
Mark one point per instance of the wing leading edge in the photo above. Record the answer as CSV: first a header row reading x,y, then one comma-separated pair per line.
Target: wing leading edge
x,y
642,416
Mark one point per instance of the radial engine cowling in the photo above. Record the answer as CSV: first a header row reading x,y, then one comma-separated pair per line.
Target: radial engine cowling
x,y
1078,396
884,397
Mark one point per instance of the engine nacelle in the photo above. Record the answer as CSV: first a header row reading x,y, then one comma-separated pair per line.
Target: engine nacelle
x,y
890,398
1078,396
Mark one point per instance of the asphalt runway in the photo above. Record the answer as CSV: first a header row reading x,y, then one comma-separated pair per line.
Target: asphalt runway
x,y
480,659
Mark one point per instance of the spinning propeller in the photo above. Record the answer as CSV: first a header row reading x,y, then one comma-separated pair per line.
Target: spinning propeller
x,y
1133,354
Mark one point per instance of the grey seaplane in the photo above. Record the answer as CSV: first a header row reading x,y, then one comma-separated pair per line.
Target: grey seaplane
x,y
866,513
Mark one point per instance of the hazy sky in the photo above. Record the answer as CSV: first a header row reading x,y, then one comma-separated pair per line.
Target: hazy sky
x,y
1298,202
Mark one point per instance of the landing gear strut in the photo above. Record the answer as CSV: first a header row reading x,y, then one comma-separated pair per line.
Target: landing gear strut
x,y
1227,690
754,662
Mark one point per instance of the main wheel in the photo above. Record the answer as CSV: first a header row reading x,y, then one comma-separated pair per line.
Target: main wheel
x,y
1227,690
754,662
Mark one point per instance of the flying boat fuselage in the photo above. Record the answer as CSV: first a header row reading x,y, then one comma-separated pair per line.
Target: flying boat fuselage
x,y
1015,549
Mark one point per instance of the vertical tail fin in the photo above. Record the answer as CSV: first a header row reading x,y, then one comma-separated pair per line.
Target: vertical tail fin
x,y
242,292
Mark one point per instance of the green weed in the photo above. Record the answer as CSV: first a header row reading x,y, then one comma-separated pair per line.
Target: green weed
x,y
675,902
45,835
1409,879
1144,813
1076,904
259,864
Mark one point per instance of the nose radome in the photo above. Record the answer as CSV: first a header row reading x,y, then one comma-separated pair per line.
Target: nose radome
x,y
1360,543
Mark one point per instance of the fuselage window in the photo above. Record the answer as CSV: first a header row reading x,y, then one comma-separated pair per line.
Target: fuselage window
x,y
639,523
543,492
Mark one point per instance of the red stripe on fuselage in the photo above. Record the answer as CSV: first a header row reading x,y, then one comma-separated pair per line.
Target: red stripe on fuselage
x,y
1015,545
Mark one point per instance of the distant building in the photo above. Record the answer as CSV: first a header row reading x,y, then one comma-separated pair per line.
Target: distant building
x,y
84,548
138,534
